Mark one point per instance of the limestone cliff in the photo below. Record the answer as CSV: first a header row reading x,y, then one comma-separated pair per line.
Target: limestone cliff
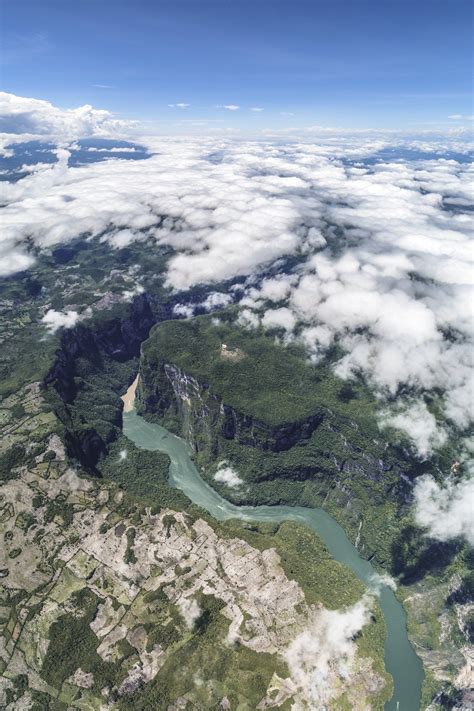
x,y
204,415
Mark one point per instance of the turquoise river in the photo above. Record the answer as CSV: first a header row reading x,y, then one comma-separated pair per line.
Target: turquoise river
x,y
400,659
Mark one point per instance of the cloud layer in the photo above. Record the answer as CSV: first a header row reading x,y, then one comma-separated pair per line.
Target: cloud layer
x,y
381,251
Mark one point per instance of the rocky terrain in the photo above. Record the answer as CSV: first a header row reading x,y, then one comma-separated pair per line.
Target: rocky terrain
x,y
102,597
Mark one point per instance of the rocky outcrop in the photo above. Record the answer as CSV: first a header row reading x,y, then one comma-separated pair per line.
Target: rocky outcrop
x,y
165,390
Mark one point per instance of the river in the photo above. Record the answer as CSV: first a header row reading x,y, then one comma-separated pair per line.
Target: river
x,y
400,659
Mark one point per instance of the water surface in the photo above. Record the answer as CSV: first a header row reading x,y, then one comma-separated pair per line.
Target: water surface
x,y
400,659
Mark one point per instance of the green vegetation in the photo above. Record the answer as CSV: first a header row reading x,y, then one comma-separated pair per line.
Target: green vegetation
x,y
143,474
259,378
59,507
73,645
414,555
10,461
96,408
306,559
345,464
203,669
130,556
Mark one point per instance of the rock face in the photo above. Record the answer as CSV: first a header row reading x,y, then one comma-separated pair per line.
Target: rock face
x,y
166,390
114,339
117,338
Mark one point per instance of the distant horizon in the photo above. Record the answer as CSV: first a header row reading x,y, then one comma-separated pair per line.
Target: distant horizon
x,y
24,118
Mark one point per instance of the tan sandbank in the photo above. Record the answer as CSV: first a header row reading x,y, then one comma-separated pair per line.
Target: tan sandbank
x,y
129,397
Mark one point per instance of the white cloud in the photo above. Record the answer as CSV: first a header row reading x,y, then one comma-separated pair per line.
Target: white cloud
x,y
279,318
180,105
419,424
215,300
113,149
190,610
57,319
378,582
130,294
258,109
35,118
324,655
446,511
122,238
230,107
183,310
461,117
248,319
277,288
227,475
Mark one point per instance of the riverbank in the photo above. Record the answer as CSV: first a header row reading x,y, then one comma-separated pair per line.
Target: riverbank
x,y
400,659
129,398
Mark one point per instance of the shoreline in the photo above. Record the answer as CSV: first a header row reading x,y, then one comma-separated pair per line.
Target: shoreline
x,y
129,398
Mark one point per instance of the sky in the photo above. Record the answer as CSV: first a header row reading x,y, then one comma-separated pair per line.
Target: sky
x,y
190,64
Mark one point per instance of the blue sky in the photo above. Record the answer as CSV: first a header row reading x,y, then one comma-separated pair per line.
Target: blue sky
x,y
350,63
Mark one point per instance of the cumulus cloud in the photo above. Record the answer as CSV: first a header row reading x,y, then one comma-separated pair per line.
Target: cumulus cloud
x,y
180,105
230,107
418,423
378,582
112,149
184,310
227,475
323,655
58,319
34,118
130,294
276,288
122,238
446,511
279,318
248,319
216,300
190,610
